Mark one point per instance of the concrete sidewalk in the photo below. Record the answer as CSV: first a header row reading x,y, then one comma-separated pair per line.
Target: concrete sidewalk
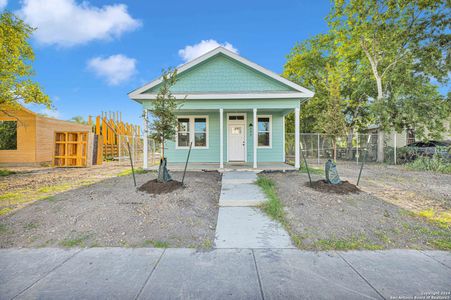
x,y
144,273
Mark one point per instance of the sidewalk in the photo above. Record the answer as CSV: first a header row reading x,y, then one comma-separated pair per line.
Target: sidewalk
x,y
240,223
144,273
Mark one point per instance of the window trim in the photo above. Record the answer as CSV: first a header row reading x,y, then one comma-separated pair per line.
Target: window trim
x,y
270,131
192,132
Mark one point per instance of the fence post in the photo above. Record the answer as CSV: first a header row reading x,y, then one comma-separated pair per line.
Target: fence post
x,y
318,148
357,148
395,146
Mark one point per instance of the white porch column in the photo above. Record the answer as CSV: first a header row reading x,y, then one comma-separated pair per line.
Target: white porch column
x,y
297,158
221,138
255,135
145,140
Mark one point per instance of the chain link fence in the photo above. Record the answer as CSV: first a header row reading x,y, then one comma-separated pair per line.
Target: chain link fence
x,y
137,149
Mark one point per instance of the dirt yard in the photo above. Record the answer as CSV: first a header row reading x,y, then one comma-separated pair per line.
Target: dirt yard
x,y
395,209
28,184
114,213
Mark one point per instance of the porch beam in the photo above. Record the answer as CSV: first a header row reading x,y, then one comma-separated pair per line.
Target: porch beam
x,y
145,139
297,159
255,138
221,138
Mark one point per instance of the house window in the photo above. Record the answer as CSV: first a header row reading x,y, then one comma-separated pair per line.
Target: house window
x,y
264,131
200,132
410,136
192,129
8,135
183,132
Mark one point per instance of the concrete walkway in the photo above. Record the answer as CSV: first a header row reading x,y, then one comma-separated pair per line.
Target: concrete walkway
x,y
240,223
144,273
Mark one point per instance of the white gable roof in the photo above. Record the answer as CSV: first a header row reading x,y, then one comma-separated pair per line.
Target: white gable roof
x,y
299,91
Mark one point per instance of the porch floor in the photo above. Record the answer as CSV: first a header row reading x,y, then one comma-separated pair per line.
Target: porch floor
x,y
279,166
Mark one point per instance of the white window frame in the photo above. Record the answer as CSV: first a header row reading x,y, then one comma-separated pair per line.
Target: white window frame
x,y
270,131
192,132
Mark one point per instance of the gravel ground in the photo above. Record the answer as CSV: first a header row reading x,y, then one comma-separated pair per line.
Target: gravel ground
x,y
113,213
365,220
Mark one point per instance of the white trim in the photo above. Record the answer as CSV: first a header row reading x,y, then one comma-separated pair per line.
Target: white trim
x,y
303,91
145,140
297,145
283,138
254,158
221,138
245,133
192,132
226,96
270,131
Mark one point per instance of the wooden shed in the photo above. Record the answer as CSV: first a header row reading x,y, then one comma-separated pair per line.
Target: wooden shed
x,y
31,137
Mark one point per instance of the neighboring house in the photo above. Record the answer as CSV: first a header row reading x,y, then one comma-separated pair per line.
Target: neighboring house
x,y
28,138
234,110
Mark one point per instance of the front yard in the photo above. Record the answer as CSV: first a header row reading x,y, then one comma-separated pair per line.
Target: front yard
x,y
113,213
395,209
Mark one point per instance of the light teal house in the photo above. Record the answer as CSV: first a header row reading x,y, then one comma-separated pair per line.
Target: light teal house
x,y
233,111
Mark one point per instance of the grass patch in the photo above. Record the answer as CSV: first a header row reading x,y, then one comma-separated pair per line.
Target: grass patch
x,y
443,219
74,242
54,188
30,226
129,172
312,170
432,164
5,172
3,228
156,244
5,210
352,243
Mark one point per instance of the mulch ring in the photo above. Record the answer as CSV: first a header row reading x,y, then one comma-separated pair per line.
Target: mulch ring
x,y
156,188
343,188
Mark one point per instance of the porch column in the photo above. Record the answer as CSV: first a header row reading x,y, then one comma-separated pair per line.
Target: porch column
x,y
145,140
255,137
221,138
296,139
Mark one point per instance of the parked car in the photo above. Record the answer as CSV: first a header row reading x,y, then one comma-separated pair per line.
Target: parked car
x,y
428,148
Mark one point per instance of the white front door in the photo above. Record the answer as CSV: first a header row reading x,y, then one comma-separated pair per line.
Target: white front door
x,y
237,142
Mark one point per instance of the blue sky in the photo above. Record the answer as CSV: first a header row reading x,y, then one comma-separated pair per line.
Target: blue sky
x,y
90,55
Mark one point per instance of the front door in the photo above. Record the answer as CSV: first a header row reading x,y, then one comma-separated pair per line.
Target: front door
x,y
237,142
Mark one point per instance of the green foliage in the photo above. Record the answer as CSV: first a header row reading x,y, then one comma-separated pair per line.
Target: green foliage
x,y
432,164
8,135
405,47
129,172
79,120
273,207
16,56
164,122
5,172
351,243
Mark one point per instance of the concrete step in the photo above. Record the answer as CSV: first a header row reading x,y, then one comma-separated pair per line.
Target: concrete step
x,y
241,194
239,177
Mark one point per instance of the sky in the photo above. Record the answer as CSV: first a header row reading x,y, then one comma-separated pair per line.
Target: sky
x,y
90,54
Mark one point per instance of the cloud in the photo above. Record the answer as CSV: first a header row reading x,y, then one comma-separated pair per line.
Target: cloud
x,y
191,52
67,23
52,113
115,68
3,4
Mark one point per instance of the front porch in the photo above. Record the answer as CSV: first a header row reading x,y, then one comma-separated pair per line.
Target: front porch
x,y
197,166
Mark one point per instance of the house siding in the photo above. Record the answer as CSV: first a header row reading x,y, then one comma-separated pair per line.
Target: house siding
x,y
211,154
223,74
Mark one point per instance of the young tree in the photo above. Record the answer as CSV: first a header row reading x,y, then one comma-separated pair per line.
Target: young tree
x,y
164,121
16,56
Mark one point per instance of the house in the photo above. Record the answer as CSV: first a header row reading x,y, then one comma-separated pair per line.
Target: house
x,y
27,138
232,110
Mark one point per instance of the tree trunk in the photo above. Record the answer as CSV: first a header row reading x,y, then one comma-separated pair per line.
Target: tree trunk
x,y
335,148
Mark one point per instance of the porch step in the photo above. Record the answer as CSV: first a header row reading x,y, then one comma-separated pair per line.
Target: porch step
x,y
239,177
241,194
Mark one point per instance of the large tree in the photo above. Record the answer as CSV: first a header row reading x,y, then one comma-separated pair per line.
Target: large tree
x,y
406,45
16,57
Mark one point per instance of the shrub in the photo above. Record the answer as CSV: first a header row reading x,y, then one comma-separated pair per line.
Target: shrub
x,y
435,164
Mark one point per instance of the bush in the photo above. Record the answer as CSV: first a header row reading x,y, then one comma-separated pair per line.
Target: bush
x,y
437,163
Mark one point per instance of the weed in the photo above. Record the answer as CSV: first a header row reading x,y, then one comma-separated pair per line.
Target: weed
x,y
54,188
434,164
156,244
74,242
207,244
442,219
30,226
5,172
5,210
3,228
129,172
352,243
312,170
